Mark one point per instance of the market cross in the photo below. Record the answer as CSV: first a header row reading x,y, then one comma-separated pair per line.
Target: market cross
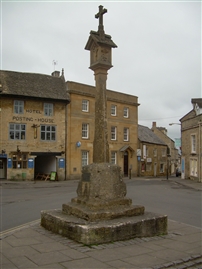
x,y
100,16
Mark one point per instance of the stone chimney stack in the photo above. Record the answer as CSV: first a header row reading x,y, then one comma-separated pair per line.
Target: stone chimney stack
x,y
56,74
153,124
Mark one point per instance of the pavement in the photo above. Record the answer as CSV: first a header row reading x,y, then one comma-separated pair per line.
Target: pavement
x,y
31,246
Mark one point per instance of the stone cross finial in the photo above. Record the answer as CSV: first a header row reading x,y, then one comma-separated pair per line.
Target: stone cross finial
x,y
100,16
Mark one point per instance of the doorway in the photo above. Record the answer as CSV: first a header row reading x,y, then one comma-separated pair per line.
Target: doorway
x,y
154,169
2,168
125,163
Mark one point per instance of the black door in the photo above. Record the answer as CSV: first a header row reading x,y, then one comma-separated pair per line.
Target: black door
x,y
125,165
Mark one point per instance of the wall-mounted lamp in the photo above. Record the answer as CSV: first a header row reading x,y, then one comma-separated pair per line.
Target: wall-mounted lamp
x,y
18,150
3,151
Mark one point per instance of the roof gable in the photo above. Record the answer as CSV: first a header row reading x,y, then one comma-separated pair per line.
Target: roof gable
x,y
146,135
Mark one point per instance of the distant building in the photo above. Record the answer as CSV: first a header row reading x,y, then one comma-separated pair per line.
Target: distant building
x,y
122,117
152,160
191,133
174,158
33,125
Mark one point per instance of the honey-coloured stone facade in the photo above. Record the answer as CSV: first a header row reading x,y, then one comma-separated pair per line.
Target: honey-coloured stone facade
x,y
76,117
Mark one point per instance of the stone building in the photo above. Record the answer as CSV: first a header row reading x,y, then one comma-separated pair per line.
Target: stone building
x,y
191,137
161,132
152,153
122,116
33,125
41,132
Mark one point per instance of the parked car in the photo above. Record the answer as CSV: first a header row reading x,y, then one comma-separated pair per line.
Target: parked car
x,y
178,172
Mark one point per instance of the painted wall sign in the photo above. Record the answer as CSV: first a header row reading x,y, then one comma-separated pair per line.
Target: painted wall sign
x,y
3,155
33,111
61,163
9,163
16,118
30,163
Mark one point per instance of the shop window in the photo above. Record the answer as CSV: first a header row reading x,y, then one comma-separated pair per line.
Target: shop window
x,y
17,131
19,160
48,133
193,167
148,167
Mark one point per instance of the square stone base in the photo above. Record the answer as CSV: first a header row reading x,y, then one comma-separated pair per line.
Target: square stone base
x,y
104,231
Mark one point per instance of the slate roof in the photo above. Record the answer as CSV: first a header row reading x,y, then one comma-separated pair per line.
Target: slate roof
x,y
146,135
33,85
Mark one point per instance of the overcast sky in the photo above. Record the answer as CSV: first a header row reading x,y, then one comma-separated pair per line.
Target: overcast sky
x,y
158,58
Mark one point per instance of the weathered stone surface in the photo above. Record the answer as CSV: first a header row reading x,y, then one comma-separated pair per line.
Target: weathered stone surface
x,y
101,182
98,232
82,211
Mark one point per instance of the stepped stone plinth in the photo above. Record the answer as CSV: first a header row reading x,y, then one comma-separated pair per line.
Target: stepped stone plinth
x,y
101,212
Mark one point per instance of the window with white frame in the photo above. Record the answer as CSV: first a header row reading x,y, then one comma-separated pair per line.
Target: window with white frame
x,y
85,130
48,109
84,157
85,105
126,112
48,132
113,110
126,134
193,143
161,167
193,167
18,107
155,152
17,131
113,133
113,157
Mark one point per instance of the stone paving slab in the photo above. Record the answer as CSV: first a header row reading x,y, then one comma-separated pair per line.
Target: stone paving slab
x,y
181,248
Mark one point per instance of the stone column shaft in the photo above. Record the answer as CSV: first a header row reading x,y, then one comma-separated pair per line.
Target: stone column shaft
x,y
100,144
